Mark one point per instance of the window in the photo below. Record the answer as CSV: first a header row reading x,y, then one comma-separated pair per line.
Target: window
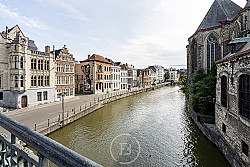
x,y
21,62
39,64
223,128
45,95
245,148
41,80
16,61
244,96
46,66
39,96
16,82
212,51
46,82
33,64
224,91
21,81
1,95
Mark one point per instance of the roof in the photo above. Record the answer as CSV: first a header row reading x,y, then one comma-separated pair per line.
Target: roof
x,y
32,45
244,49
96,57
221,10
152,68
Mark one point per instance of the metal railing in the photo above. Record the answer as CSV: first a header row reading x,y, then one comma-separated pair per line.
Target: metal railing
x,y
13,153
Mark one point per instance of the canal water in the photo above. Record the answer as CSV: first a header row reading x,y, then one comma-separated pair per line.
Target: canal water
x,y
147,129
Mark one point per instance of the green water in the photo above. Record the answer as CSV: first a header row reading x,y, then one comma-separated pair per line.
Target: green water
x,y
154,128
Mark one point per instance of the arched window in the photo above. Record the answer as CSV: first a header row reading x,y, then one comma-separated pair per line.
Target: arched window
x,y
212,51
16,81
21,62
22,81
224,91
244,95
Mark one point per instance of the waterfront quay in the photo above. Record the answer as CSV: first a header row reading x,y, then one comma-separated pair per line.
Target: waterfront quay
x,y
47,118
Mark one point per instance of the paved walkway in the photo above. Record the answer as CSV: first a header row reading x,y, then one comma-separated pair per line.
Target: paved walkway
x,y
41,113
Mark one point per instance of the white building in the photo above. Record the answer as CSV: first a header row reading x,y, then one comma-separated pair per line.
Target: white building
x,y
173,75
115,77
159,73
124,79
27,76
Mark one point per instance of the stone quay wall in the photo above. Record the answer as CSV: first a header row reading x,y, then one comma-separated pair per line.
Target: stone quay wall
x,y
211,132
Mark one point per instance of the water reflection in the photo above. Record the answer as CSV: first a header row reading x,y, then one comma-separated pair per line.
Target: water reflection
x,y
157,119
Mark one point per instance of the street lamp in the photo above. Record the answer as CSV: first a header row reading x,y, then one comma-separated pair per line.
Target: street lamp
x,y
62,94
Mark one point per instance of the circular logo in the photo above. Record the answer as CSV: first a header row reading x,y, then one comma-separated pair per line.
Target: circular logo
x,y
125,149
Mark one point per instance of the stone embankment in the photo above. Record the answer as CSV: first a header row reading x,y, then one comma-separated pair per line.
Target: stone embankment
x,y
214,135
80,111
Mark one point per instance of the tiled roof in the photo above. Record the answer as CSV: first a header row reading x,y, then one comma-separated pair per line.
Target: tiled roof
x,y
96,57
221,10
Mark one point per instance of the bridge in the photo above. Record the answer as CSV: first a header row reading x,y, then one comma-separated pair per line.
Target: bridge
x,y
15,155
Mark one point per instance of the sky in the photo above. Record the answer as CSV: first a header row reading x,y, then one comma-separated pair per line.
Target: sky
x,y
138,32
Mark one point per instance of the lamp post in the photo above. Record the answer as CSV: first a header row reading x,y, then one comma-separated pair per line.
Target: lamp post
x,y
63,94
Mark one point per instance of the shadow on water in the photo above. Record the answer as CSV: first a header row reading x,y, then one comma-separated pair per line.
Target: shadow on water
x,y
156,119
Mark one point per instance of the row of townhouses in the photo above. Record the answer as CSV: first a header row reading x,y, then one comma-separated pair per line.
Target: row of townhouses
x,y
31,77
97,74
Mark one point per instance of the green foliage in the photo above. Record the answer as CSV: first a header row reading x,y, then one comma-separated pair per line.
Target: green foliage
x,y
204,91
198,75
166,76
185,87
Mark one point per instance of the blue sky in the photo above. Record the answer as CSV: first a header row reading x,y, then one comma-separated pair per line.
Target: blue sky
x,y
138,32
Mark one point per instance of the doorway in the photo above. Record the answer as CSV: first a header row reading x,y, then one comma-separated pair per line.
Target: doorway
x,y
24,101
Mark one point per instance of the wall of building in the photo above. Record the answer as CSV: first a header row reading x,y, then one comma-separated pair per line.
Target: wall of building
x,y
237,126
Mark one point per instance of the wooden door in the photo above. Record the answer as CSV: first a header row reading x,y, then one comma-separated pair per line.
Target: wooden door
x,y
24,101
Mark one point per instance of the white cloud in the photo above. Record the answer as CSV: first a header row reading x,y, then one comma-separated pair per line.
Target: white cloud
x,y
22,20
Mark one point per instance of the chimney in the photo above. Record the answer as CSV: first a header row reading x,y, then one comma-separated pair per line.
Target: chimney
x,y
47,49
88,56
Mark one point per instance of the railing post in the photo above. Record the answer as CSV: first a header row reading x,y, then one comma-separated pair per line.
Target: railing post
x,y
13,160
43,161
48,122
80,108
35,128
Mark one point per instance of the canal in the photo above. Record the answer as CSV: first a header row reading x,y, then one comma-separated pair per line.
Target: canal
x,y
147,129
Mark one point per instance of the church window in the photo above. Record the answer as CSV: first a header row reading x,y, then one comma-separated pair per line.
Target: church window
x,y
212,51
224,91
244,95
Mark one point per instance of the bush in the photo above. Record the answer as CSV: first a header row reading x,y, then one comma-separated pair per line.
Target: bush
x,y
204,91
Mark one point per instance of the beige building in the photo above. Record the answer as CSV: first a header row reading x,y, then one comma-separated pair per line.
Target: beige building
x,y
100,73
27,76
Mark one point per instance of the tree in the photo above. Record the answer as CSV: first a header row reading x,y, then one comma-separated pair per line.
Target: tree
x,y
166,76
204,91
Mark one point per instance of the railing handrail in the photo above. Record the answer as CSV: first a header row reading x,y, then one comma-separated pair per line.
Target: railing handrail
x,y
52,150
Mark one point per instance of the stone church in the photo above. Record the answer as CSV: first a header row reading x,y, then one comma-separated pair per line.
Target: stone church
x,y
223,37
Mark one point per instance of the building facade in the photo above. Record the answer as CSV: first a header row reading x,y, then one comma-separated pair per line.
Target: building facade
x,y
124,79
100,73
223,36
65,73
27,76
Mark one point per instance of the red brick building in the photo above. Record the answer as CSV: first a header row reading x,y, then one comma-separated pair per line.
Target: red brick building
x,y
65,67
